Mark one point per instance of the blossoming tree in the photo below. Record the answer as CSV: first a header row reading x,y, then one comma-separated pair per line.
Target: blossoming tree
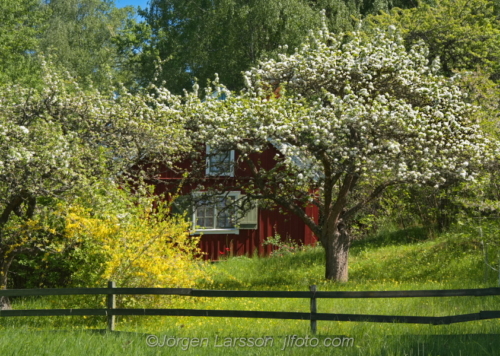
x,y
350,116
58,140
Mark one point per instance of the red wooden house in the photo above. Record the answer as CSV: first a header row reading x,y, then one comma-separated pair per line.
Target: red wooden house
x,y
224,230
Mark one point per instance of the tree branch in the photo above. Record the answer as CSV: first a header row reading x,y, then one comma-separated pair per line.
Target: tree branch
x,y
13,204
375,194
293,208
300,213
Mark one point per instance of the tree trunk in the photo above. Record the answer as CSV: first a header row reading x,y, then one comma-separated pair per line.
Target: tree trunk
x,y
337,253
5,303
446,213
4,274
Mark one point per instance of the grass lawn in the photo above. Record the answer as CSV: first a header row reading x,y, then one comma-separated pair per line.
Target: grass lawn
x,y
402,260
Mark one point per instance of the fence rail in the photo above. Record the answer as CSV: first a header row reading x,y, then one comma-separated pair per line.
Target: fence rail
x,y
252,294
111,311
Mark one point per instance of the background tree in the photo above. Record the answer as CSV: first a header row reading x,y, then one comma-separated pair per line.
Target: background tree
x,y
355,115
341,15
195,39
21,24
200,38
80,37
464,34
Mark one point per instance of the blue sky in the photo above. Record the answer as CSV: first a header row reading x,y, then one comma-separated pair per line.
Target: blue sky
x,y
134,3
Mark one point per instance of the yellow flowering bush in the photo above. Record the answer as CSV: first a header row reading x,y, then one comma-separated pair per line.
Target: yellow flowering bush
x,y
134,243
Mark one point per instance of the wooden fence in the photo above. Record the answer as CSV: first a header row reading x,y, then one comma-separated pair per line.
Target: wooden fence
x,y
111,311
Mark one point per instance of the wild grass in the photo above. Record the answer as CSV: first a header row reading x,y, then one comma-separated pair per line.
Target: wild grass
x,y
399,260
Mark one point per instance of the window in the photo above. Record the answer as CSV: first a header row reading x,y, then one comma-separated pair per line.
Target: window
x,y
216,214
221,214
220,163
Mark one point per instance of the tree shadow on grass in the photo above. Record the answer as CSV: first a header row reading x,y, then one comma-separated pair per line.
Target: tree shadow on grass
x,y
271,273
445,259
459,345
395,238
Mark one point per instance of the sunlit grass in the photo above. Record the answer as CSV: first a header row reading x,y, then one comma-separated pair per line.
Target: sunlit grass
x,y
403,260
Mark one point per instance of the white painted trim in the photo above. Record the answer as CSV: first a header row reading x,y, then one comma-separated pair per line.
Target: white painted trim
x,y
195,231
215,232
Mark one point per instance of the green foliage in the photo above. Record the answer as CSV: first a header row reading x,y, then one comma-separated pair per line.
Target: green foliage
x,y
463,34
480,228
80,38
281,247
465,37
196,39
343,15
78,35
60,140
483,92
354,115
21,24
406,206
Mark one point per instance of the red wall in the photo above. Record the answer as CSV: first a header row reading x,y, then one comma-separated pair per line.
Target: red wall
x,y
247,242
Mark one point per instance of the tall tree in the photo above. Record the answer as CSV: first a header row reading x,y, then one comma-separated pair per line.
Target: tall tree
x,y
341,14
21,23
80,37
355,115
195,39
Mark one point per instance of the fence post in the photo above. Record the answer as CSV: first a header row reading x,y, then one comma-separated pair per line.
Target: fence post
x,y
486,262
313,289
499,268
111,301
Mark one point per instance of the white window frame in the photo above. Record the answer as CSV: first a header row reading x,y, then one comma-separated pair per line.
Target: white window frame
x,y
234,230
208,171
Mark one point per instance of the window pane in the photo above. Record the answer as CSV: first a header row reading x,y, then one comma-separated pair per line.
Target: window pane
x,y
225,213
220,162
216,213
205,216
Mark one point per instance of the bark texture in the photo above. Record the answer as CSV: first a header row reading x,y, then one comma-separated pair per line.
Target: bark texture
x,y
337,254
